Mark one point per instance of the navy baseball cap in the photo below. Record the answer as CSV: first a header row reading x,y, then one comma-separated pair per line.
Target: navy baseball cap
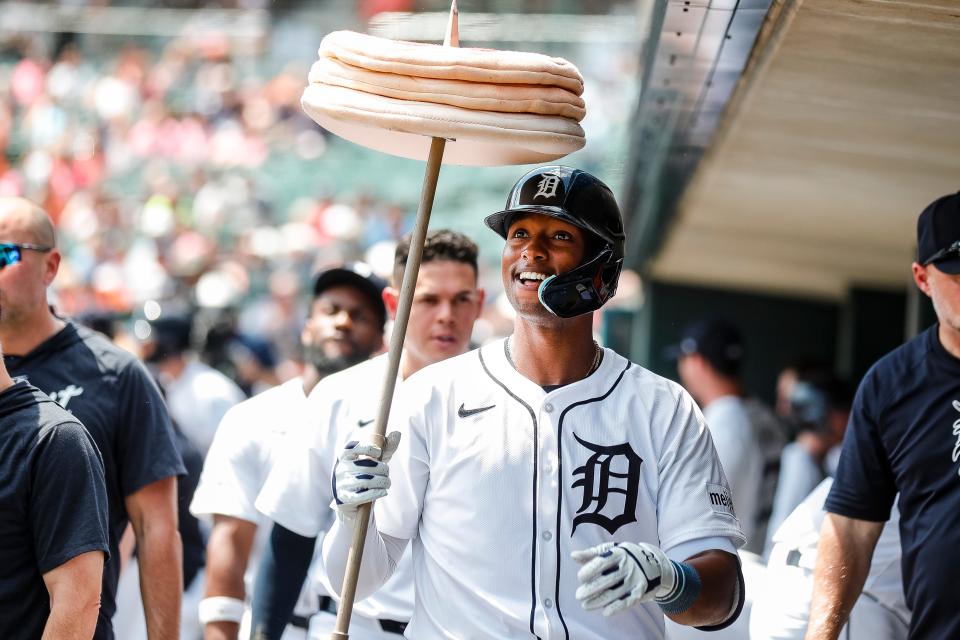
x,y
170,336
358,275
938,234
718,341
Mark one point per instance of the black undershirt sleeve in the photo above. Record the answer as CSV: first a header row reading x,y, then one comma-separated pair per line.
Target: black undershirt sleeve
x,y
283,568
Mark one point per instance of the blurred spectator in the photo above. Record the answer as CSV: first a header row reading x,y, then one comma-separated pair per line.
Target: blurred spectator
x,y
709,357
255,363
788,376
771,432
197,394
819,407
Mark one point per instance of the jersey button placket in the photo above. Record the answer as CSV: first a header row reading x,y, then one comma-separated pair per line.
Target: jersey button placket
x,y
547,518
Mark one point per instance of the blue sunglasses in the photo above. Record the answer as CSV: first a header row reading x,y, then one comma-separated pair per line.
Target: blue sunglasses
x,y
11,253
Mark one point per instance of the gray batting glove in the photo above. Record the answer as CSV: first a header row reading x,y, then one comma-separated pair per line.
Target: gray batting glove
x,y
361,474
617,575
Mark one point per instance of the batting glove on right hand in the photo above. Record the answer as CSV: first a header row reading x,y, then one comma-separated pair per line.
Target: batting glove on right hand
x,y
361,474
618,575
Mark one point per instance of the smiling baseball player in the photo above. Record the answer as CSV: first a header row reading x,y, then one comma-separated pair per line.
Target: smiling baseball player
x,y
551,488
297,492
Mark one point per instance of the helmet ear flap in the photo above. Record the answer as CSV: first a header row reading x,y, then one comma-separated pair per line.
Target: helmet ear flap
x,y
584,289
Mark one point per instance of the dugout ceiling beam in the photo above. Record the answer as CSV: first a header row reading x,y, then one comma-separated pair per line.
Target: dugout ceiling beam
x,y
846,123
694,56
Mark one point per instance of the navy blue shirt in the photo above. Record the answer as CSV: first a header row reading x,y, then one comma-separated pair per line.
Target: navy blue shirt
x,y
115,398
904,436
53,503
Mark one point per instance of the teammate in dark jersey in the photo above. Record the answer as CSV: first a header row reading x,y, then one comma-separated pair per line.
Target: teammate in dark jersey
x,y
904,437
53,518
112,394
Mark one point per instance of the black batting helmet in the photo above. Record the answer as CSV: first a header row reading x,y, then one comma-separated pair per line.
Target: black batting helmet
x,y
582,200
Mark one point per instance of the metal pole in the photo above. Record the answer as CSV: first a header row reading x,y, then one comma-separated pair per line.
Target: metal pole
x,y
410,273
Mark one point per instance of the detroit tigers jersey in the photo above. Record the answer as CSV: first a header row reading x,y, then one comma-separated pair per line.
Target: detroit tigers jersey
x,y
497,481
244,450
298,493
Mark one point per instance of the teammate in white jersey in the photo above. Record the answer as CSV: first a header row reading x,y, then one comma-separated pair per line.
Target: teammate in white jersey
x,y
783,611
345,326
298,492
546,483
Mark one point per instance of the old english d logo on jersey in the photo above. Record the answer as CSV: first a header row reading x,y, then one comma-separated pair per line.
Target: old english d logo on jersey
x,y
610,470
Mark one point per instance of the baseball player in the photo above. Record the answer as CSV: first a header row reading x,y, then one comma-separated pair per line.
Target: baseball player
x,y
297,493
345,326
551,488
880,613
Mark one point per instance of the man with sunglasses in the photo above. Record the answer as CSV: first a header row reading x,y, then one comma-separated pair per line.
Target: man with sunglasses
x,y
112,394
904,437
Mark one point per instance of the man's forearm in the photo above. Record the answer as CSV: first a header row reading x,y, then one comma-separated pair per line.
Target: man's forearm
x,y
72,621
159,553
719,574
843,561
228,551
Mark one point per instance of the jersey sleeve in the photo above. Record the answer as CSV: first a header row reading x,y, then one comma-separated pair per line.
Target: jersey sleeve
x,y
146,448
693,498
298,491
398,513
68,505
865,487
231,475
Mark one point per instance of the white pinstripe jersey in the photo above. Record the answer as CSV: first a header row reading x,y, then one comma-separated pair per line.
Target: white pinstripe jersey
x,y
497,481
298,492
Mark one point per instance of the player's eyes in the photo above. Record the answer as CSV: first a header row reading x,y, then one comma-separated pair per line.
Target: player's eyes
x,y
519,233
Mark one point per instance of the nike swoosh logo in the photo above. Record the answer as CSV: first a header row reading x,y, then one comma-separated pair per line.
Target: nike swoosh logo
x,y
463,413
363,423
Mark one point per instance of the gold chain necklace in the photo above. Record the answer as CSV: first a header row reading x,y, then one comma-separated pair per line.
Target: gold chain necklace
x,y
597,356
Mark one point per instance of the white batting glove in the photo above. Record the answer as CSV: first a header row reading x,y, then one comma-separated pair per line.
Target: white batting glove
x,y
618,575
361,474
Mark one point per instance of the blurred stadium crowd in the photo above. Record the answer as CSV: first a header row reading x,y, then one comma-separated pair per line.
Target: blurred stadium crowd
x,y
174,171
146,160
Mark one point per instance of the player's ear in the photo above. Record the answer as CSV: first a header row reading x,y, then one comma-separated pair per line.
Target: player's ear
x,y
921,277
481,296
51,266
391,299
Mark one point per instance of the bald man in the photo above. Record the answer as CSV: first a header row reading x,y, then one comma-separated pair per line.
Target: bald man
x,y
114,397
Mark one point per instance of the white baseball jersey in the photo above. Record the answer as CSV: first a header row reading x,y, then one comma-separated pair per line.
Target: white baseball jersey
x,y
199,399
244,449
298,492
497,481
782,613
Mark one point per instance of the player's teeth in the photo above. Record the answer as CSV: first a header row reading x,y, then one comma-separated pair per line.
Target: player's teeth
x,y
529,275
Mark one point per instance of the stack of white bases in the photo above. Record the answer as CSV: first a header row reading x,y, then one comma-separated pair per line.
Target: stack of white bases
x,y
493,107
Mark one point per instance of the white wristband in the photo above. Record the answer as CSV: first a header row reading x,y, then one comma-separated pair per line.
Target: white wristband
x,y
220,609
